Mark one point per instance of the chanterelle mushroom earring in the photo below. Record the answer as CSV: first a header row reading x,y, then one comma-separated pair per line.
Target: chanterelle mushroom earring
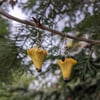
x,y
66,67
66,63
37,55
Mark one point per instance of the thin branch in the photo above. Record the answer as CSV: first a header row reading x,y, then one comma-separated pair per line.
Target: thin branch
x,y
40,26
16,19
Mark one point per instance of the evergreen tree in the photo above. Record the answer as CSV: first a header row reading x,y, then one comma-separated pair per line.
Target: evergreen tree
x,y
64,34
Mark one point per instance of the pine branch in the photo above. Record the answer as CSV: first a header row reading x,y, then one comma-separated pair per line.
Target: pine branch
x,y
18,89
37,24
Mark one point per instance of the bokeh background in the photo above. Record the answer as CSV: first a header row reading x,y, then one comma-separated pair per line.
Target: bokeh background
x,y
19,79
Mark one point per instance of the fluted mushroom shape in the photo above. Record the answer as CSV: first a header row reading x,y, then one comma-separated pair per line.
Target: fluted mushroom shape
x,y
66,67
37,55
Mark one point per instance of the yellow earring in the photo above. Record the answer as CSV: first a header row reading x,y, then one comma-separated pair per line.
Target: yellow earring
x,y
66,66
37,55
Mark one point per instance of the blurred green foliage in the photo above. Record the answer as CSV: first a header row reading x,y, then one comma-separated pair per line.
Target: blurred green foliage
x,y
90,25
18,77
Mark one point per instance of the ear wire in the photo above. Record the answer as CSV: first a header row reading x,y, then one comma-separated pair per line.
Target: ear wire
x,y
66,48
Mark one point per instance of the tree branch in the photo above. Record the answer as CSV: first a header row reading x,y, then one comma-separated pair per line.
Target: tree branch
x,y
48,29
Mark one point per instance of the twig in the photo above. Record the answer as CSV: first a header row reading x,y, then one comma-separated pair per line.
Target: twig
x,y
48,29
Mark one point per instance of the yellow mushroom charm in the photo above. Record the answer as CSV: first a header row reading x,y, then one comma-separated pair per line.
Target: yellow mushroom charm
x,y
37,55
66,66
